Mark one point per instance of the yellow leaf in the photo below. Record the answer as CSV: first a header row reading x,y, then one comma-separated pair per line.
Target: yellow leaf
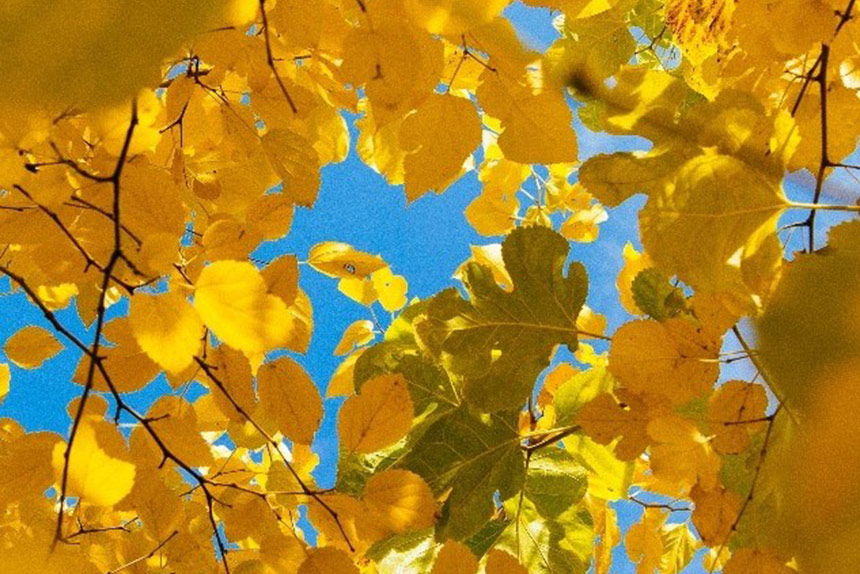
x,y
493,212
673,359
715,513
31,346
398,64
235,374
699,27
282,278
290,399
537,127
327,561
644,541
379,147
606,527
25,464
380,415
681,456
359,290
341,260
604,419
590,323
56,296
712,222
391,289
455,558
440,136
356,334
5,379
158,253
715,559
96,474
46,44
736,412
301,323
341,383
582,225
757,561
271,215
500,562
128,367
453,17
167,328
228,239
296,163
178,426
233,301
36,553
400,500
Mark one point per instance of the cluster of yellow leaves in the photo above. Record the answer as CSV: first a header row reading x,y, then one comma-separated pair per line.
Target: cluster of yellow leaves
x,y
191,133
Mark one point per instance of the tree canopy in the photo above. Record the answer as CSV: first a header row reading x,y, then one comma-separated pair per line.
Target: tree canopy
x,y
148,150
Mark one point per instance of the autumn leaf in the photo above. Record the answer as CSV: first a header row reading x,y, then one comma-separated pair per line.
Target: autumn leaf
x,y
167,328
233,301
31,346
97,469
341,260
378,416
442,133
290,399
500,341
401,500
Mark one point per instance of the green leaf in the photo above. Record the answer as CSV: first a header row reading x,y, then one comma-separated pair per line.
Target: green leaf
x,y
555,482
609,478
474,456
562,545
407,553
579,390
653,293
429,384
355,469
499,342
614,178
481,542
433,395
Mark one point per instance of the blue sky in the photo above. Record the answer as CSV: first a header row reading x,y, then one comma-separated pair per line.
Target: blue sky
x,y
425,241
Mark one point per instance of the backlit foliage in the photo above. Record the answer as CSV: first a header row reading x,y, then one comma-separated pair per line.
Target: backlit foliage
x,y
148,149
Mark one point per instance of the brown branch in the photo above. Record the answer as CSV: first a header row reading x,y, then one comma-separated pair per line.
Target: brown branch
x,y
754,359
178,122
551,439
210,374
50,316
88,259
271,60
668,507
83,530
84,204
824,164
122,406
818,75
147,556
749,498
114,179
78,169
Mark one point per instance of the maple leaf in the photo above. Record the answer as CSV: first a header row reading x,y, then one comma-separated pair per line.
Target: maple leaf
x,y
500,341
